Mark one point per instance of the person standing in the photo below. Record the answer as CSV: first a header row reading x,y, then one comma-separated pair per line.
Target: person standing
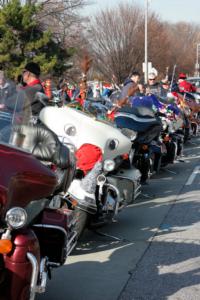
x,y
63,87
184,85
33,85
130,88
153,86
7,88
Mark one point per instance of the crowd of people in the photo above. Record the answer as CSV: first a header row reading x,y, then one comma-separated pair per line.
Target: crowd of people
x,y
30,82
132,87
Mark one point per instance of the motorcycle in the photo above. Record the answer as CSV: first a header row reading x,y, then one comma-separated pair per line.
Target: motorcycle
x,y
109,183
36,227
140,124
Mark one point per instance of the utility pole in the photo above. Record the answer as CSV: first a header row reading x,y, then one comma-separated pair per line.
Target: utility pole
x,y
146,43
197,61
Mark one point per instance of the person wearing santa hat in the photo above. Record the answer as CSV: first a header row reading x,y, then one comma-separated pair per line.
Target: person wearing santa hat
x,y
184,85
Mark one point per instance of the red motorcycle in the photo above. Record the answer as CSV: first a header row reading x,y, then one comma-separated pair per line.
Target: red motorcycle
x,y
36,229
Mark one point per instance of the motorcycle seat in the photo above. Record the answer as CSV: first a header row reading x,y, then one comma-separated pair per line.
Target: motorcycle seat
x,y
42,143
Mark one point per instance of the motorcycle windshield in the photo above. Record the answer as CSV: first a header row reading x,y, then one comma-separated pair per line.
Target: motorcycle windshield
x,y
15,110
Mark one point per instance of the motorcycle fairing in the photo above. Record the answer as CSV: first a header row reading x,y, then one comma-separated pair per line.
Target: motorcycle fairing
x,y
142,126
88,130
22,178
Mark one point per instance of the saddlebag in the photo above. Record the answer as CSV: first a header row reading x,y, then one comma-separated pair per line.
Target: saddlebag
x,y
128,183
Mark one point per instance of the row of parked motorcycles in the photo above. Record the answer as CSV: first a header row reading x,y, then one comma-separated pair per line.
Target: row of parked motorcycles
x,y
71,169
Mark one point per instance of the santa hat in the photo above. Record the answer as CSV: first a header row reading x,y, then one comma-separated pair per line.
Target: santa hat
x,y
182,76
87,156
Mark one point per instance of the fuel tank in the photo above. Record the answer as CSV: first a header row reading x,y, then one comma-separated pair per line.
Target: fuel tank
x,y
23,178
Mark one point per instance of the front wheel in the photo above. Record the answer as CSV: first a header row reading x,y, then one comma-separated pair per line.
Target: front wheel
x,y
143,164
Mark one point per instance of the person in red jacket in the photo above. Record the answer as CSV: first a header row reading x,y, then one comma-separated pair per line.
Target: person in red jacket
x,y
184,85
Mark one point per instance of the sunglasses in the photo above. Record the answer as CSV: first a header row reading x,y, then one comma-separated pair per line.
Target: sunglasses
x,y
152,79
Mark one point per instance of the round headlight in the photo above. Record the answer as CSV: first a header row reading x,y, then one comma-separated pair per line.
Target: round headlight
x,y
109,165
70,130
16,217
112,145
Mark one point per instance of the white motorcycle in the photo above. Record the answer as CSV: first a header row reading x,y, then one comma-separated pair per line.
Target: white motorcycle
x,y
112,183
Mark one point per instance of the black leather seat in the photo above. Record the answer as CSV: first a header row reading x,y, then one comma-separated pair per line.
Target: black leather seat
x,y
42,143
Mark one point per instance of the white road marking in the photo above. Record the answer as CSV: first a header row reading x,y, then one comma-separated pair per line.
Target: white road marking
x,y
193,175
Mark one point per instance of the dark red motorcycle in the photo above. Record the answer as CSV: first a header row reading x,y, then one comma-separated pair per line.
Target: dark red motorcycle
x,y
36,229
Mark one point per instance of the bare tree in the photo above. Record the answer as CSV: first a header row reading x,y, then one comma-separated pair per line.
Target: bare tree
x,y
61,17
113,36
183,39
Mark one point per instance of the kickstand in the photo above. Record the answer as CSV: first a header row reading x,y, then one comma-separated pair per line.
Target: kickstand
x,y
172,172
110,236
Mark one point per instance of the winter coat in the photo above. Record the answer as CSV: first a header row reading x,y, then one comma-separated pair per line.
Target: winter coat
x,y
127,85
31,91
186,86
6,91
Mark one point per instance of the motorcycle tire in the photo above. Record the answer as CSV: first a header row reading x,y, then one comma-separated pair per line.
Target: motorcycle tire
x,y
157,162
144,166
179,149
186,135
172,152
82,221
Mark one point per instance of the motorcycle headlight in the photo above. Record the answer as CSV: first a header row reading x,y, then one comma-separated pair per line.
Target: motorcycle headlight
x,y
16,217
112,144
70,130
109,165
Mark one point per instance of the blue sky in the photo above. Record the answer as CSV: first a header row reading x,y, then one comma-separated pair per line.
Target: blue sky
x,y
169,10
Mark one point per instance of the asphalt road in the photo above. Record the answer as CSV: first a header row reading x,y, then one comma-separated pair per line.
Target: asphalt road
x,y
152,252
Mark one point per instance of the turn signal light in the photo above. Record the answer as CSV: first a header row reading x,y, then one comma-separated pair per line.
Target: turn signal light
x,y
74,202
5,246
125,156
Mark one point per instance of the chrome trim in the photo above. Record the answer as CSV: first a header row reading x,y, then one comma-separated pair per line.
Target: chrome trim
x,y
52,226
43,276
34,276
71,241
6,234
68,246
135,118
135,182
116,190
